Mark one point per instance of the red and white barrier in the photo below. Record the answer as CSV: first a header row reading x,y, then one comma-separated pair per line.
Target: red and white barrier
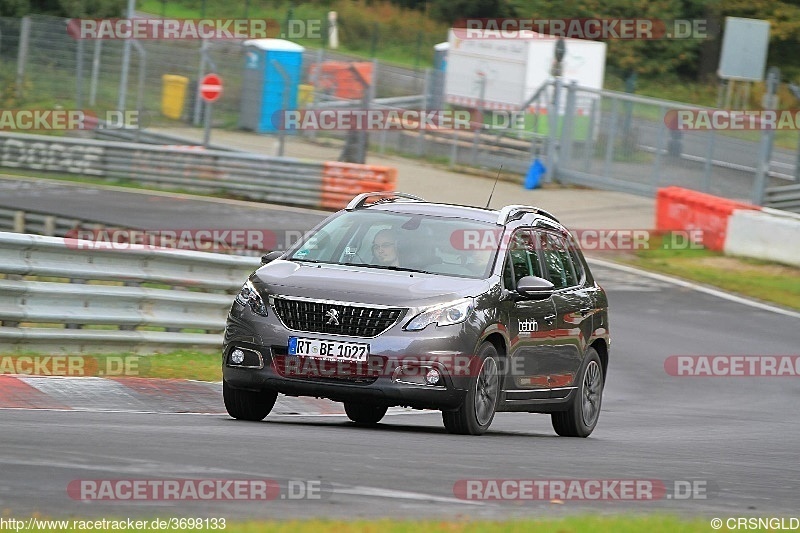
x,y
736,228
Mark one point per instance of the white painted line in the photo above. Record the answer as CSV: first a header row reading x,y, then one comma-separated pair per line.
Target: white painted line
x,y
695,286
376,492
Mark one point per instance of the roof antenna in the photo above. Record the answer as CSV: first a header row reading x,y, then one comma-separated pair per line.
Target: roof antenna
x,y
493,186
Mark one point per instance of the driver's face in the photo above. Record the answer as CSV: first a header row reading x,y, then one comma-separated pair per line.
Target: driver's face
x,y
385,250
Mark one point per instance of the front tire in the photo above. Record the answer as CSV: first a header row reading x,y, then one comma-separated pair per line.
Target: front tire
x,y
584,410
477,412
364,414
248,405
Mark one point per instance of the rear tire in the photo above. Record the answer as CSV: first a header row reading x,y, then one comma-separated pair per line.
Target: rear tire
x,y
248,405
584,410
364,414
477,412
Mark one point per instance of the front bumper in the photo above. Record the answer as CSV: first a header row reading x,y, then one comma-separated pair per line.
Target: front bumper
x,y
394,374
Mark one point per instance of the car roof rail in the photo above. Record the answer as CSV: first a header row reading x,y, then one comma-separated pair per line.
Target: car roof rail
x,y
510,212
386,196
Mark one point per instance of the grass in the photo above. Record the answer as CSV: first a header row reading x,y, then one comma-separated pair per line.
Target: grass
x,y
594,524
762,280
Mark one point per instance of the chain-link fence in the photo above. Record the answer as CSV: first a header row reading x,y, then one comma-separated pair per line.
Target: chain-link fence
x,y
597,138
41,64
626,142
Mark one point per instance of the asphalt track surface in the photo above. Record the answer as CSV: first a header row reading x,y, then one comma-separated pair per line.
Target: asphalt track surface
x,y
736,435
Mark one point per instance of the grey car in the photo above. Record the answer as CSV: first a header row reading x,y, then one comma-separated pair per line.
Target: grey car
x,y
395,301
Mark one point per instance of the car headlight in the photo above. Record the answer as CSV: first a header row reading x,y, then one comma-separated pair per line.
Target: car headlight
x,y
249,296
442,315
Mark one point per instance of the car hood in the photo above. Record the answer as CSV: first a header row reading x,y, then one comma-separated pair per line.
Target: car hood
x,y
365,285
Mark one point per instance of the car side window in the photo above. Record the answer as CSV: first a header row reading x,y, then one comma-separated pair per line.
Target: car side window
x,y
559,265
522,259
577,264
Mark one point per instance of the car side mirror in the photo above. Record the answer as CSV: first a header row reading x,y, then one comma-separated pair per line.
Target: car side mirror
x,y
535,287
270,257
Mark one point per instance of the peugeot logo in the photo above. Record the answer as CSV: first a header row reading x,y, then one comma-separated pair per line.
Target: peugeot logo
x,y
333,317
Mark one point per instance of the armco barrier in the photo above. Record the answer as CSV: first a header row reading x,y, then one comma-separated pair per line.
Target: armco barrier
x,y
685,209
109,288
283,180
342,181
769,235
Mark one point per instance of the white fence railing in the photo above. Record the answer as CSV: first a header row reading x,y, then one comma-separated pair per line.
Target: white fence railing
x,y
64,296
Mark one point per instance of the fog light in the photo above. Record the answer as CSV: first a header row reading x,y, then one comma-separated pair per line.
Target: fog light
x,y
237,356
432,377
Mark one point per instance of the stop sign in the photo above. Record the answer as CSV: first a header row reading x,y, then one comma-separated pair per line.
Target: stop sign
x,y
211,87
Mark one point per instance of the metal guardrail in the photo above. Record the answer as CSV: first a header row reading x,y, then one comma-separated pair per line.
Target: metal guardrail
x,y
786,197
135,291
282,180
38,223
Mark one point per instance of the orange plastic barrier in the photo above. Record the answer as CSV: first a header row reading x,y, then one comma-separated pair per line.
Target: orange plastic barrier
x,y
336,78
685,209
342,181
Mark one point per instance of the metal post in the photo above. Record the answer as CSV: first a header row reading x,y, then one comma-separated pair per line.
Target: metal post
x,y
98,46
552,154
569,118
765,146
200,73
126,59
709,157
454,150
611,139
662,134
762,167
22,54
207,125
588,148
140,89
478,128
287,87
79,75
421,133
797,162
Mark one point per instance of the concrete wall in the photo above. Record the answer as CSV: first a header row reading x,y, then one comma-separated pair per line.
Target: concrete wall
x,y
769,234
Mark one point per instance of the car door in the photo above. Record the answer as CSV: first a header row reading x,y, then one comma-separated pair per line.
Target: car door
x,y
530,324
573,301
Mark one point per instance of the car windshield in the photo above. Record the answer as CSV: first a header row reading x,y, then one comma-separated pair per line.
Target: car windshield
x,y
407,242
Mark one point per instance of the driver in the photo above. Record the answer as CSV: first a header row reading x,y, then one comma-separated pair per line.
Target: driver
x,y
384,248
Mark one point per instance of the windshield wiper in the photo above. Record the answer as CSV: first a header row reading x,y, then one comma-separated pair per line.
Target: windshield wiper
x,y
309,260
389,267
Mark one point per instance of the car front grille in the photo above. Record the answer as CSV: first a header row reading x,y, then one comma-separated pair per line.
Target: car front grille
x,y
334,318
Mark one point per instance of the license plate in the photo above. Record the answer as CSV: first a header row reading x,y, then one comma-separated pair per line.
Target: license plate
x,y
330,350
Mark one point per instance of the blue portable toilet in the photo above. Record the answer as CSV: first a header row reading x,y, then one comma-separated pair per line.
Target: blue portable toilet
x,y
263,86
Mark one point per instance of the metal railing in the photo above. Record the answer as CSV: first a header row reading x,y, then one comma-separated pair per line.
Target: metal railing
x,y
273,179
67,296
786,197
